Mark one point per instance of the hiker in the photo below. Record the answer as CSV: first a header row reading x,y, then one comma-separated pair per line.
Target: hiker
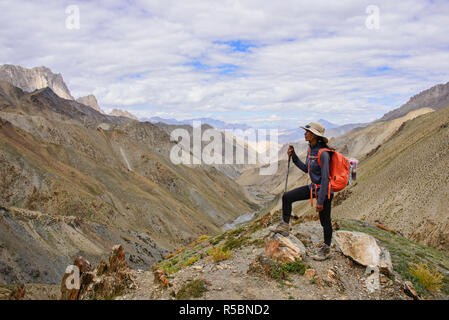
x,y
319,188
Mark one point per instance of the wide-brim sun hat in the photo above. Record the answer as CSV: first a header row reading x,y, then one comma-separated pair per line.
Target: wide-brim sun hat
x,y
317,129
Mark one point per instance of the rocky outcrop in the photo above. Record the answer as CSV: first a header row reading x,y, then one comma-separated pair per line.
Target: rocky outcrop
x,y
363,249
109,279
90,101
122,113
34,79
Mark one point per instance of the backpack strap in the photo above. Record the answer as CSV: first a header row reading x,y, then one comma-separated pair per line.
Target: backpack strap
x,y
315,186
318,157
320,152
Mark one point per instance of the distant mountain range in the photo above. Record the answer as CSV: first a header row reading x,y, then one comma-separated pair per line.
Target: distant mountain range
x,y
331,130
217,124
41,77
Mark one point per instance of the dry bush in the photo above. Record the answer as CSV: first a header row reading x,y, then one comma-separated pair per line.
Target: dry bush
x,y
429,277
219,254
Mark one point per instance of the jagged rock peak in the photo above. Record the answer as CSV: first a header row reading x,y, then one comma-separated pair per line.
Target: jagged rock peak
x,y
34,79
90,101
123,113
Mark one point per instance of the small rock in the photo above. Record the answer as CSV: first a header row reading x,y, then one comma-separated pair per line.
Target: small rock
x,y
310,273
409,289
331,274
160,278
335,225
333,278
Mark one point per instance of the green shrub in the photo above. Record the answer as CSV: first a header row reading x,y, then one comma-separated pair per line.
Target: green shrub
x,y
232,243
192,289
294,267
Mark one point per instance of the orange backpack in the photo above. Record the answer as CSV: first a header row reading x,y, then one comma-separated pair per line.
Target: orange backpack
x,y
339,171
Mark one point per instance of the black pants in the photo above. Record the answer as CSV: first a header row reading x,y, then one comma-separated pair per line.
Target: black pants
x,y
303,193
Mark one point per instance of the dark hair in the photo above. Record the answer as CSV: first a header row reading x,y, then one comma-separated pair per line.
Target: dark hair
x,y
322,143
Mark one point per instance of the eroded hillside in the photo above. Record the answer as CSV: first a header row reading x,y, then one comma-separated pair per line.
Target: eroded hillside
x,y
404,182
60,158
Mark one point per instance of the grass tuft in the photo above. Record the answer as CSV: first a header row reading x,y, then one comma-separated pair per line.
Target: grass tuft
x,y
202,238
192,260
192,289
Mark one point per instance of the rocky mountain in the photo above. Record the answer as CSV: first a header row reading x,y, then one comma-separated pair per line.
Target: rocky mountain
x,y
34,79
90,101
434,98
122,113
233,143
361,140
76,182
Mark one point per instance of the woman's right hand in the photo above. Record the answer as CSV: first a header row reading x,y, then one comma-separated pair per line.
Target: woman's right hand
x,y
290,151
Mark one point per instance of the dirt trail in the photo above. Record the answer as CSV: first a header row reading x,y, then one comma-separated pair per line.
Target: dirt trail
x,y
229,279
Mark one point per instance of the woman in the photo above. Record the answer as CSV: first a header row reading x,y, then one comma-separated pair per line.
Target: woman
x,y
319,188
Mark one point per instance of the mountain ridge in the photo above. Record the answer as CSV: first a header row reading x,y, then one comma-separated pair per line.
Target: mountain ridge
x,y
436,97
34,79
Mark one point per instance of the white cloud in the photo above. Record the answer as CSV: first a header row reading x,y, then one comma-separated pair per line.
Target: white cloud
x,y
307,59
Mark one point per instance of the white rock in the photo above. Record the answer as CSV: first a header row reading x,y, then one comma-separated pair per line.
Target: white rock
x,y
363,249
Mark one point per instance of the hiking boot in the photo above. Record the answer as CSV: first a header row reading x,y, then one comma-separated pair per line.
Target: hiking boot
x,y
323,253
282,228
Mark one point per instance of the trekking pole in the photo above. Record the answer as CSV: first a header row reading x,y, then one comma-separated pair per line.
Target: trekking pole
x,y
288,169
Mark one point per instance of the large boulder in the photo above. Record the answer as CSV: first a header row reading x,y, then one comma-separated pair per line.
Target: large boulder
x,y
363,249
284,249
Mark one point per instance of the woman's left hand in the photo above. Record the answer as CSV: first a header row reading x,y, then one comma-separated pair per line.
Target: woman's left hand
x,y
319,207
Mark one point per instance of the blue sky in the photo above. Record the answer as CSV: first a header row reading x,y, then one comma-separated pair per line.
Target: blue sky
x,y
268,64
